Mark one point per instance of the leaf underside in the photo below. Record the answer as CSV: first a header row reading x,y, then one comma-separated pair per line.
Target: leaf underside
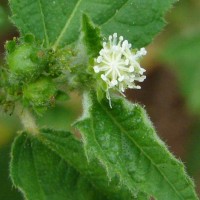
x,y
125,142
57,22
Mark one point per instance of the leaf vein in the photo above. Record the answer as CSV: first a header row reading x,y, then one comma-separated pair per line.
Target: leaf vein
x,y
139,147
55,45
36,173
44,24
124,4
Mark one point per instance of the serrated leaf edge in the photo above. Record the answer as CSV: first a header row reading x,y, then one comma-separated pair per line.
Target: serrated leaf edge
x,y
87,104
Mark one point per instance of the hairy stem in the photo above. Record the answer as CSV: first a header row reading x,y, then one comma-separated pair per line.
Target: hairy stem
x,y
27,120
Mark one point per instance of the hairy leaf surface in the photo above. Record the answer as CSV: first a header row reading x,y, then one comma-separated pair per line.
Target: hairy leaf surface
x,y
57,22
41,174
71,150
125,142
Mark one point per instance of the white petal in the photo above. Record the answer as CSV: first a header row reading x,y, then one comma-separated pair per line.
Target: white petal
x,y
137,87
121,38
115,35
131,68
126,61
143,51
119,65
104,77
104,44
141,79
113,82
142,70
99,59
115,48
102,52
125,43
96,69
121,78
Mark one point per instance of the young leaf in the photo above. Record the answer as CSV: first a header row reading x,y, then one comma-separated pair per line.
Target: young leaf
x,y
125,142
91,37
57,22
71,150
40,174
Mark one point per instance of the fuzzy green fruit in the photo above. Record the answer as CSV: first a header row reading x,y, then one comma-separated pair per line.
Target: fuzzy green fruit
x,y
26,63
39,93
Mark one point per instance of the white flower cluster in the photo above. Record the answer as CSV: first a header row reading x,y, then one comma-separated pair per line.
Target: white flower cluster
x,y
119,65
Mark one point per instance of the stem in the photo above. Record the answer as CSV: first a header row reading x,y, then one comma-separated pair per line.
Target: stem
x,y
27,120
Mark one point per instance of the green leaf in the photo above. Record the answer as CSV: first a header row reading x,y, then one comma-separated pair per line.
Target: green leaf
x,y
7,191
123,139
91,37
40,174
57,22
71,150
182,53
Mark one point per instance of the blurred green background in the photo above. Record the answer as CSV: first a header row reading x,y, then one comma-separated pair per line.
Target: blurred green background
x,y
171,92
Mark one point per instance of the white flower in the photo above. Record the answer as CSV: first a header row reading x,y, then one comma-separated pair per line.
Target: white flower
x,y
119,65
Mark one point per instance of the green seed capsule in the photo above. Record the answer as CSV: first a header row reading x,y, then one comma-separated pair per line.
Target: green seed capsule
x,y
39,93
26,63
